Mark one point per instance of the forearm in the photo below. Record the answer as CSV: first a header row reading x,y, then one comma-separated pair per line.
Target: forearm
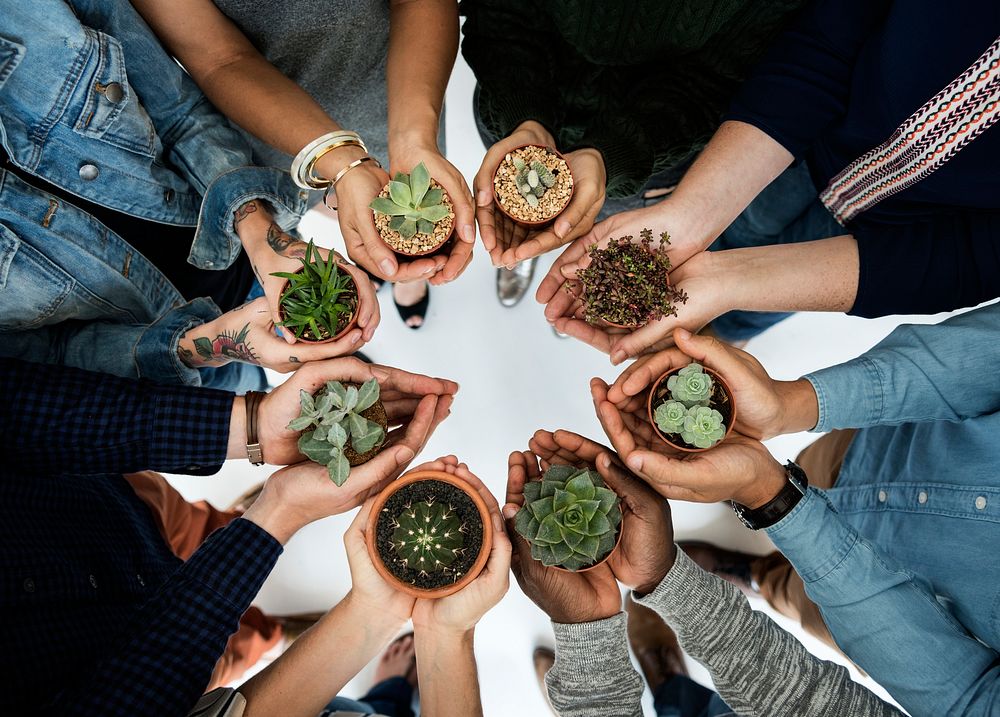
x,y
324,659
416,84
446,665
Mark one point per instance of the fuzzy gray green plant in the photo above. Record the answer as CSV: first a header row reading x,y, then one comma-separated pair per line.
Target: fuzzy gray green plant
x,y
703,427
428,536
332,420
670,415
415,207
691,386
570,518
532,180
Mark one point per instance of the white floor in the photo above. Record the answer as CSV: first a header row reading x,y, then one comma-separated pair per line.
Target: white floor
x,y
516,377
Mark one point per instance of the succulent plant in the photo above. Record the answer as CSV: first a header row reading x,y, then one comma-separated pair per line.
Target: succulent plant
x,y
532,180
337,427
626,282
703,427
691,386
669,416
428,536
415,207
569,517
321,298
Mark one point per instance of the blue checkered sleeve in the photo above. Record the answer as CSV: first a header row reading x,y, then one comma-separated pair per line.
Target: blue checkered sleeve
x,y
65,420
165,658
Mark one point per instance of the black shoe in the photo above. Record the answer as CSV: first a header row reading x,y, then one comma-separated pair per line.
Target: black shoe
x,y
418,309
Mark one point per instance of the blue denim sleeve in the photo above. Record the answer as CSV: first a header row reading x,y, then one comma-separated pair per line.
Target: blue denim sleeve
x,y
885,618
917,373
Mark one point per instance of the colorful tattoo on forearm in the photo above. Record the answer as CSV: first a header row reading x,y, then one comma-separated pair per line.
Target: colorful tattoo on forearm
x,y
226,346
285,244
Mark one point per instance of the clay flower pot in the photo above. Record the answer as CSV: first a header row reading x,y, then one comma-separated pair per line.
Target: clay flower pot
x,y
470,508
444,231
722,401
516,208
351,323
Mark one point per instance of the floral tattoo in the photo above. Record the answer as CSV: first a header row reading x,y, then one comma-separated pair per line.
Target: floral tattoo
x,y
227,346
244,211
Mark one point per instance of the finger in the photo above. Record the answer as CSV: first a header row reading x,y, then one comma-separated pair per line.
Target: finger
x,y
642,339
487,229
564,303
498,563
400,409
711,352
368,313
614,427
673,478
384,467
405,382
461,254
584,448
354,536
591,335
465,213
361,233
517,476
419,428
554,278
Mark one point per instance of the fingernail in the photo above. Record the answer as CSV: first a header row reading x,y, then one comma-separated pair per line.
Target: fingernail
x,y
355,337
468,233
562,228
483,198
431,270
617,357
380,374
605,461
404,454
497,523
682,333
388,267
635,463
509,511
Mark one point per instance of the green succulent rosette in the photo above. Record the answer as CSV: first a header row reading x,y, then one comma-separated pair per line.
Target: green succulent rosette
x,y
691,386
670,416
703,427
570,518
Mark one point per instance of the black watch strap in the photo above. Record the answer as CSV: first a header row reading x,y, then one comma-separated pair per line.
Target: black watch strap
x,y
780,505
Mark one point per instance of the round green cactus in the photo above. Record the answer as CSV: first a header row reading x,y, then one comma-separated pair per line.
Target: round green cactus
x,y
703,427
670,416
428,536
691,386
569,517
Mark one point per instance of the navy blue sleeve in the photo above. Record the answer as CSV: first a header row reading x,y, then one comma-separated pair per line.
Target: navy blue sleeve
x,y
803,84
925,266
65,420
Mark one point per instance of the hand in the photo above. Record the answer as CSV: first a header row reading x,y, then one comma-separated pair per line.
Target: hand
x,y
565,597
459,612
368,588
408,156
400,393
646,552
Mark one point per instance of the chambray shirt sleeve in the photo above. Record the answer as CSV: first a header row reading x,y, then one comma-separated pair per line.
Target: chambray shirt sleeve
x,y
886,618
69,421
917,373
165,659
593,675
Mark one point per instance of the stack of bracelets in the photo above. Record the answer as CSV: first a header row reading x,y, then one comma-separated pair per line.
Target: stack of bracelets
x,y
305,162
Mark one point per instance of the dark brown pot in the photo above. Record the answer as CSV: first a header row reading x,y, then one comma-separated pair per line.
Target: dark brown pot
x,y
522,222
347,327
432,250
416,477
678,444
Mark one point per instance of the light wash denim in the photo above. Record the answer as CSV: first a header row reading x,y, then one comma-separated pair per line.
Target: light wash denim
x,y
90,102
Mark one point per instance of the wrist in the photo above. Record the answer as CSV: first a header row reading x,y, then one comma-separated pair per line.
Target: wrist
x,y
331,163
237,430
373,613
413,140
437,635
195,347
649,586
267,513
799,406
767,484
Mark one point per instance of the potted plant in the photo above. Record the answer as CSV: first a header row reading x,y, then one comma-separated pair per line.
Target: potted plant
x,y
532,185
627,285
413,214
342,426
427,533
691,408
319,301
571,519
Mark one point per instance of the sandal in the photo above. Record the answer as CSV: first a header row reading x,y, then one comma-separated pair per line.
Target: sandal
x,y
417,309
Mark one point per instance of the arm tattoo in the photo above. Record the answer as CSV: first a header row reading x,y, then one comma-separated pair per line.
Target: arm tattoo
x,y
293,359
186,356
284,244
227,346
245,211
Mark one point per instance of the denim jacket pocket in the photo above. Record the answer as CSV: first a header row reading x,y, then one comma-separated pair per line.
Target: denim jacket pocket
x,y
10,55
32,288
111,111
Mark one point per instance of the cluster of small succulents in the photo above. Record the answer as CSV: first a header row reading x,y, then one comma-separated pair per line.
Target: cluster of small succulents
x,y
532,179
688,414
570,518
415,206
320,298
335,434
428,536
626,282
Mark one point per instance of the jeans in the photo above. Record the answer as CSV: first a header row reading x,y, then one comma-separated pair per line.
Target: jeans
x,y
390,697
680,696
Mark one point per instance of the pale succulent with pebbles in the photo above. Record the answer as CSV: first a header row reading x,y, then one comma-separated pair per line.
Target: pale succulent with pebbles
x,y
532,184
342,426
413,213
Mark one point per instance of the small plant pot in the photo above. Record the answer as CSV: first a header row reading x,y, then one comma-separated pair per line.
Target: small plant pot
x,y
420,244
722,401
402,493
514,206
352,322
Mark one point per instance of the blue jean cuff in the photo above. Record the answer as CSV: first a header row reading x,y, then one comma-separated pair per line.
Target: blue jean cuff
x,y
155,353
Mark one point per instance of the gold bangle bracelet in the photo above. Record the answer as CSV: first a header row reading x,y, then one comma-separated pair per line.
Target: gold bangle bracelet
x,y
340,175
320,182
306,156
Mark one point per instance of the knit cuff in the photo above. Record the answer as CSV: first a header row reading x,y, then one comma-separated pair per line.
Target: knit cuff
x,y
234,561
591,647
190,430
628,157
688,597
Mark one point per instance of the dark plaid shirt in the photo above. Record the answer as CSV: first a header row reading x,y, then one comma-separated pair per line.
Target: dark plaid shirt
x,y
98,616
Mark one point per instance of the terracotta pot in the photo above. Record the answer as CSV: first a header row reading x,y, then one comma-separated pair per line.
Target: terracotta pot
x,y
416,477
679,445
347,327
522,222
437,248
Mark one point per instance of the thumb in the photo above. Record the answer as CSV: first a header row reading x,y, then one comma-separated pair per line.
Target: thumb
x,y
639,341
708,350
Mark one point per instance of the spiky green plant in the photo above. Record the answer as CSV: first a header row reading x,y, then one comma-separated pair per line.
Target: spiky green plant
x,y
428,536
569,517
414,206
532,180
703,427
692,386
321,298
332,421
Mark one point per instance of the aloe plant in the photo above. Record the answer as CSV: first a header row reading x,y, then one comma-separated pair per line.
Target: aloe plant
x,y
333,427
321,298
428,536
569,517
415,207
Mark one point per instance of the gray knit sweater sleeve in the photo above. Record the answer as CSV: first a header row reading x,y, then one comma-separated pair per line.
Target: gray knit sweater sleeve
x,y
593,675
758,668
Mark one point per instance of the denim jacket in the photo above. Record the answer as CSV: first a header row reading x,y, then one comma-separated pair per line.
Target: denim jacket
x,y
90,102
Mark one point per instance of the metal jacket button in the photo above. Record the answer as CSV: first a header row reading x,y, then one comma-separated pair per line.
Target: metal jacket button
x,y
114,92
93,581
89,172
168,195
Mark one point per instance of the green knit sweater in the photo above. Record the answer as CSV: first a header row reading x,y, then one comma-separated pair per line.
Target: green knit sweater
x,y
646,82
